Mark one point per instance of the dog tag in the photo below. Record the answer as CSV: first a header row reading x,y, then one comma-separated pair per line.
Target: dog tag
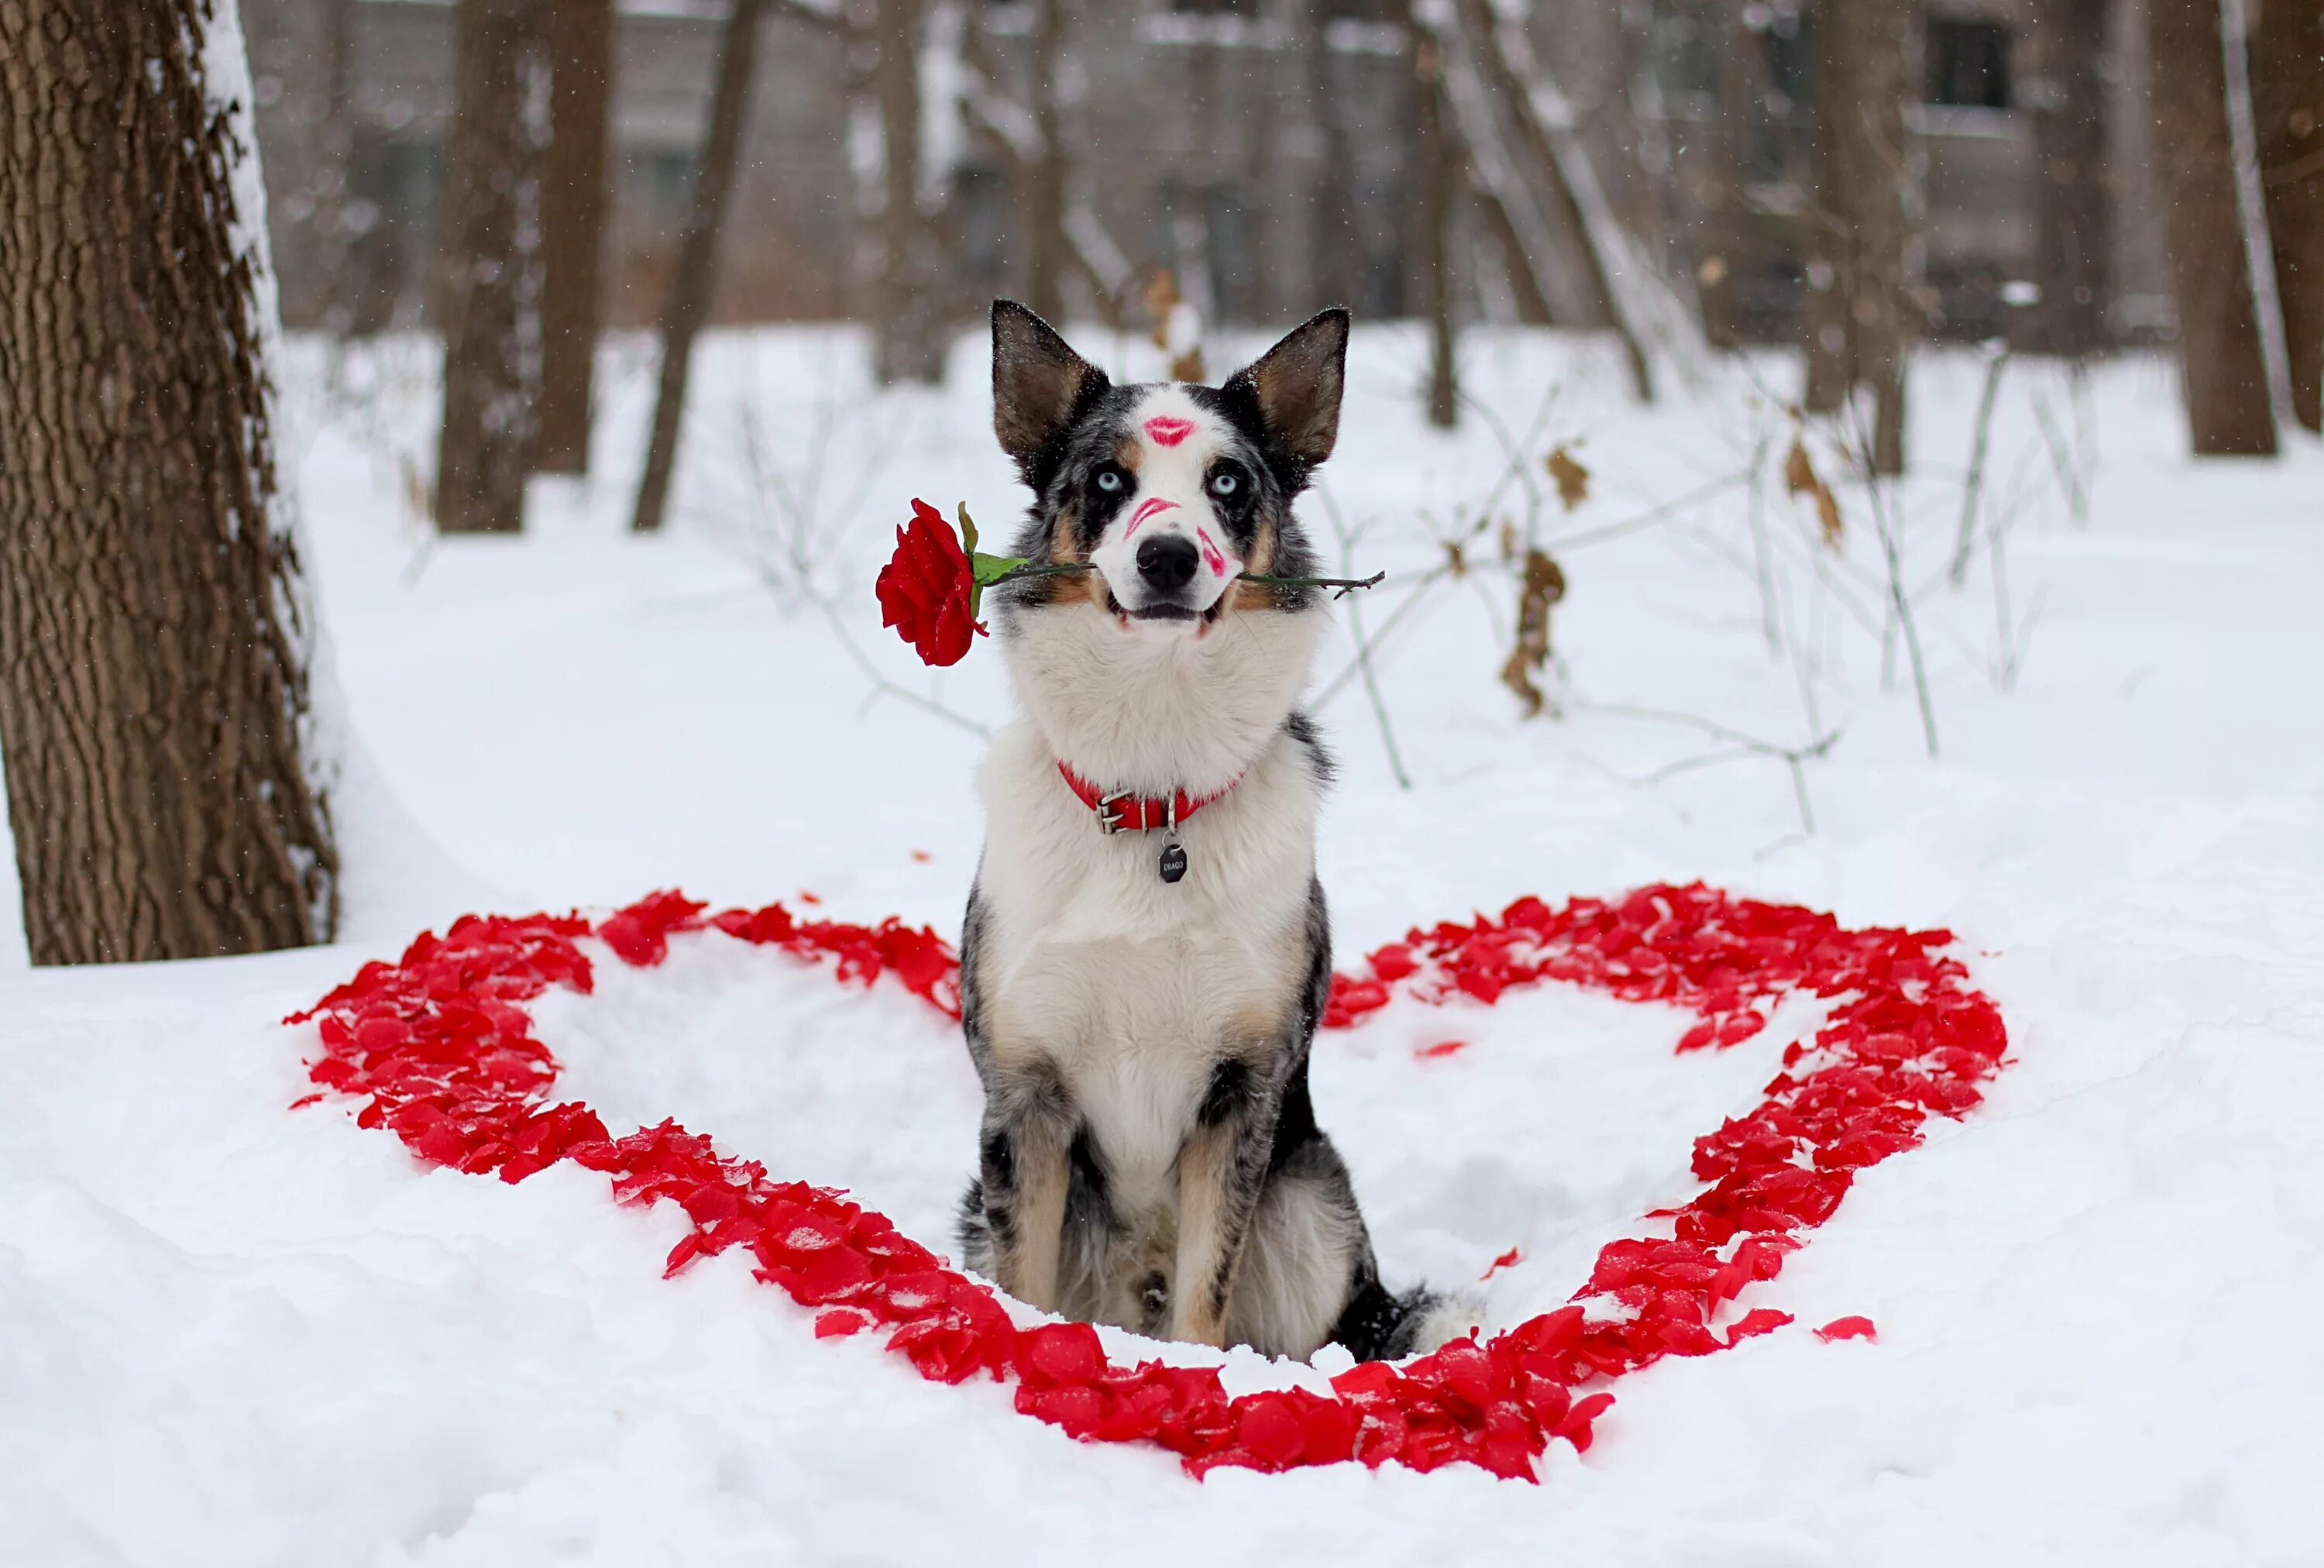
x,y
1174,863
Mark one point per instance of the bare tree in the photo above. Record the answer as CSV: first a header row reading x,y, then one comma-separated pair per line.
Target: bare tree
x,y
1041,176
572,226
1865,212
909,316
2073,202
687,305
1511,119
2287,72
1727,220
153,623
2222,358
1432,177
490,281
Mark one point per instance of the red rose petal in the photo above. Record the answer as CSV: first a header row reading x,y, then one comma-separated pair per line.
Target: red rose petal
x,y
436,1050
1848,1328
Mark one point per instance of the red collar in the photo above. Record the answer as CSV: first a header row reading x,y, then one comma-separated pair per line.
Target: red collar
x,y
1122,812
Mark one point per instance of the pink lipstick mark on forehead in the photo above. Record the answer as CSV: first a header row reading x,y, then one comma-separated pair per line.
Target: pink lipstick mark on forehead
x,y
1210,556
1168,430
1146,508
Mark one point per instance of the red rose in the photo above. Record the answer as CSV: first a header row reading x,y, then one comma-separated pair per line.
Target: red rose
x,y
926,590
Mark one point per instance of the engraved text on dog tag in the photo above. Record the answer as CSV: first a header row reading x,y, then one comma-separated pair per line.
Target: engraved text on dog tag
x,y
1174,862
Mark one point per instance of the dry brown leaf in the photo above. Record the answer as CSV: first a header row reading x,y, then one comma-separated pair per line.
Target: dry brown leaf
x,y
1572,478
1800,478
1456,559
1162,296
1544,585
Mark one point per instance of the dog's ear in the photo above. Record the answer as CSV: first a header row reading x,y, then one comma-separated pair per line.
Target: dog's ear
x,y
1295,386
1037,381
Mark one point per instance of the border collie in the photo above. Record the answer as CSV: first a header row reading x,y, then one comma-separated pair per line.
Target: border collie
x,y
1147,954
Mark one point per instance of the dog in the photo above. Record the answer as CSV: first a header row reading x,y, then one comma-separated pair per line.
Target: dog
x,y
1147,951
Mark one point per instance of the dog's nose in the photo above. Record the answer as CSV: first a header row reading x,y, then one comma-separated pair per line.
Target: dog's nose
x,y
1166,561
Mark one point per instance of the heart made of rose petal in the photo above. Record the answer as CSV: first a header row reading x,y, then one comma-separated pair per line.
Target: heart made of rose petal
x,y
439,1049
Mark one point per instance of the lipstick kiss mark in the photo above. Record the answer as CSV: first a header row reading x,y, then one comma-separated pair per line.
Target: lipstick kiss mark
x,y
1210,556
1146,508
1168,430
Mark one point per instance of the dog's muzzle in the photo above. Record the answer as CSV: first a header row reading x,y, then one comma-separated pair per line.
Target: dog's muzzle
x,y
1167,563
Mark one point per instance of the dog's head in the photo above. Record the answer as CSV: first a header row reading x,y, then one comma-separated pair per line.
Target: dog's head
x,y
1170,491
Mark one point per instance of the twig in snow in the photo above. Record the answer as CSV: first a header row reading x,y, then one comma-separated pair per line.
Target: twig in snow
x,y
1882,497
1736,744
1973,487
1354,666
1363,649
2062,461
1649,518
881,685
1763,568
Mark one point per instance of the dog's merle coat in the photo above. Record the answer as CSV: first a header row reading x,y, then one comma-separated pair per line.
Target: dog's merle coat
x,y
1150,1155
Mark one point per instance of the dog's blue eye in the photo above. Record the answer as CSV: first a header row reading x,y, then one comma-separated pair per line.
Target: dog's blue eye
x,y
1108,480
1224,483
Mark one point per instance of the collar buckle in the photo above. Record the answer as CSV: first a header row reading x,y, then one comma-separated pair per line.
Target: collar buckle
x,y
1110,813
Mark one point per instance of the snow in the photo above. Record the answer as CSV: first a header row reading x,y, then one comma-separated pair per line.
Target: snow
x,y
234,1333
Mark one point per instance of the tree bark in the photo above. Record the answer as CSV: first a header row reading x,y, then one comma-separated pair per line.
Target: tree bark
x,y
1041,178
1726,241
573,227
153,623
491,260
1290,173
1432,176
1860,315
1541,176
342,287
908,329
2288,111
2073,204
2223,362
689,304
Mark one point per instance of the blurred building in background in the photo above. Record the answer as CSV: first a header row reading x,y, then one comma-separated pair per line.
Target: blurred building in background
x,y
1259,150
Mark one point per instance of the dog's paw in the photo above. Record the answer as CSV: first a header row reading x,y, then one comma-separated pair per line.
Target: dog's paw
x,y
1442,1319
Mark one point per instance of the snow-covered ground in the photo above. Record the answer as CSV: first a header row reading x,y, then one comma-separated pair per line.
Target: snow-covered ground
x,y
234,1333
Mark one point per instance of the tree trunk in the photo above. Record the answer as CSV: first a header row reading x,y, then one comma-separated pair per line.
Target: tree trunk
x,y
1041,176
1290,172
689,304
1540,178
2288,110
2073,205
153,623
1431,179
491,258
1860,315
1726,232
1827,251
573,227
2223,362
908,329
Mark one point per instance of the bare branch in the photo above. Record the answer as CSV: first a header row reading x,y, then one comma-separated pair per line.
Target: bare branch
x,y
1973,488
1363,650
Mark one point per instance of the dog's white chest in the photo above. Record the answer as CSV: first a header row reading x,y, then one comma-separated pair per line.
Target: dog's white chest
x,y
1132,986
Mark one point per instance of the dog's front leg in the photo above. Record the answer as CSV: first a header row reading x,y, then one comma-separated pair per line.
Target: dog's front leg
x,y
1022,1154
1221,1169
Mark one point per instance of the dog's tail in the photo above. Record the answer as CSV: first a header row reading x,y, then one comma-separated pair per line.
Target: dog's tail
x,y
1381,1326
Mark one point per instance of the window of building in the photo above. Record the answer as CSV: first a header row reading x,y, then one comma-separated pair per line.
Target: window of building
x,y
1685,47
661,185
1968,63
